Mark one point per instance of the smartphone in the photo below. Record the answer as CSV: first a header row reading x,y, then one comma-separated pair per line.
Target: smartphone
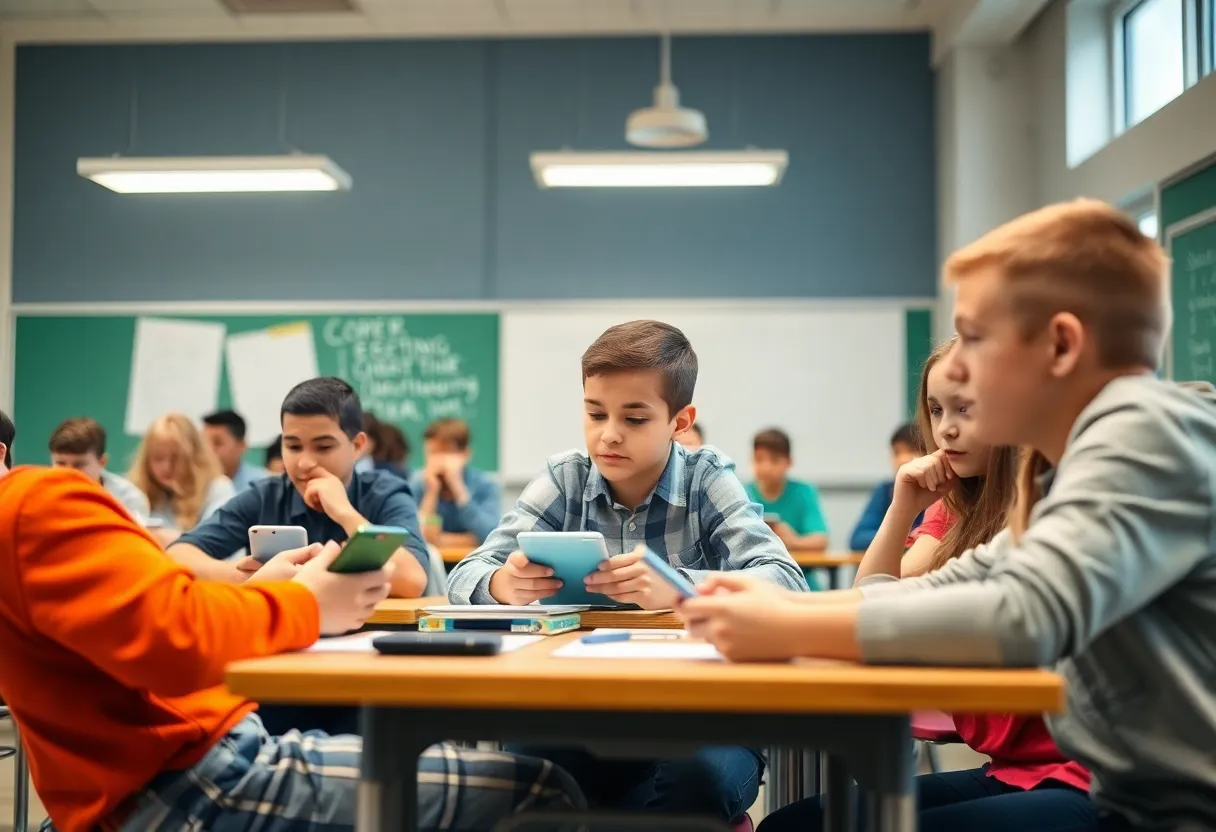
x,y
438,644
669,574
267,541
572,556
370,548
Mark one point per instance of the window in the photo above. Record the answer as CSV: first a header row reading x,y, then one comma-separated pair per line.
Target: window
x,y
1153,55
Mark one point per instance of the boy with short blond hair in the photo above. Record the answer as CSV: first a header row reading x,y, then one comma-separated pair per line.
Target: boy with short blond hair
x,y
1109,568
80,443
640,489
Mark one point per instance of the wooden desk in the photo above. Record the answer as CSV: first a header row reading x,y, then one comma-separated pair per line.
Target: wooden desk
x,y
827,560
857,714
453,555
406,611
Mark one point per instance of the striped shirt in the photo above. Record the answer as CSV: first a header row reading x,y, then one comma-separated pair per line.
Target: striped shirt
x,y
698,516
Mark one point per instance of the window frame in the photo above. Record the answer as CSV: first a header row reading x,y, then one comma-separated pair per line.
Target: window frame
x,y
1197,56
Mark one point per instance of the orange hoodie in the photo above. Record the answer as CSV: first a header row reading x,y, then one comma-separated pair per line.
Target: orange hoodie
x,y
111,655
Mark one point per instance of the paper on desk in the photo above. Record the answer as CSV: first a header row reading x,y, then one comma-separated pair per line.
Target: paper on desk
x,y
640,649
175,366
362,643
263,366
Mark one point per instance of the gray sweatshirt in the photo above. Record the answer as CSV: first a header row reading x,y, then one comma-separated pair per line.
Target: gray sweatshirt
x,y
1114,584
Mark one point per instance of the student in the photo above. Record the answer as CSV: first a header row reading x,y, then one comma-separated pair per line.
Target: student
x,y
322,422
464,503
274,456
797,515
180,476
225,432
1107,569
80,443
693,438
970,485
905,447
639,488
8,432
1029,784
392,452
91,604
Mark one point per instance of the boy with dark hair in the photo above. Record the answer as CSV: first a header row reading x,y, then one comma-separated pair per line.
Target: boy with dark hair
x,y
796,515
80,443
459,504
640,489
274,456
158,744
322,422
905,447
8,432
224,431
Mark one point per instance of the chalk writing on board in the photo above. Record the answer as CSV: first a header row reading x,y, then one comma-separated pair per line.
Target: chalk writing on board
x,y
402,377
1200,270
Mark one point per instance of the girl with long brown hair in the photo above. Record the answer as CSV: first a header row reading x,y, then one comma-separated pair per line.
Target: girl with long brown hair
x,y
180,475
963,487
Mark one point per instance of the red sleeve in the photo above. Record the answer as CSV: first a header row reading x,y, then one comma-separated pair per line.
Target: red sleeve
x,y
938,520
98,584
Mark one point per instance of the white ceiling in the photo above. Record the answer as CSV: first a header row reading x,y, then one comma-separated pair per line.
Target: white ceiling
x,y
110,20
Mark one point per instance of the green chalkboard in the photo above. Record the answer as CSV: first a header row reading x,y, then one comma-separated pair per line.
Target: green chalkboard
x,y
409,369
1192,245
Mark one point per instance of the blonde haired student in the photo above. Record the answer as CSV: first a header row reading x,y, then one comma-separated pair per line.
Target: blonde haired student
x,y
180,475
1108,570
967,487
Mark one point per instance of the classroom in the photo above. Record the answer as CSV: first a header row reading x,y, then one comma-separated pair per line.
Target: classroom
x,y
426,275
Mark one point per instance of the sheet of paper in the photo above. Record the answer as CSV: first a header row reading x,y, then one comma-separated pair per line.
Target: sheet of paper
x,y
175,366
641,649
362,643
263,366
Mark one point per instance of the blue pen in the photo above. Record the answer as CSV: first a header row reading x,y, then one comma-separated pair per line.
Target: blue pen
x,y
604,638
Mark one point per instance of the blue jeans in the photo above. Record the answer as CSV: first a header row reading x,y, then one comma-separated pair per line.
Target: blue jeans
x,y
969,801
719,781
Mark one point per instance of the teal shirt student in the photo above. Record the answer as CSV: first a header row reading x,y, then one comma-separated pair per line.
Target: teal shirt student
x,y
798,505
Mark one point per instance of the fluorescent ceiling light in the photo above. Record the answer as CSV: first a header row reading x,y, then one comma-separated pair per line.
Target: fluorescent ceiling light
x,y
662,169
214,174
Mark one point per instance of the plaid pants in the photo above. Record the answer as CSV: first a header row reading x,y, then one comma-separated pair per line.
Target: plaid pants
x,y
308,783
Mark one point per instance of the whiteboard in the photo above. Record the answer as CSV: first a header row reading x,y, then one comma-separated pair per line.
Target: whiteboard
x,y
831,375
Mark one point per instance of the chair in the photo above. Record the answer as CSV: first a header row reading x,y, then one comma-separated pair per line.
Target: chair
x,y
743,824
21,777
931,728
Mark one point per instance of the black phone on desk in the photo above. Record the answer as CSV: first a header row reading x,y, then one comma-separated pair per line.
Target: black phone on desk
x,y
438,644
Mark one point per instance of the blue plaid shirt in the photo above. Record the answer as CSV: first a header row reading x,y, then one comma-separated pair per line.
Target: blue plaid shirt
x,y
698,516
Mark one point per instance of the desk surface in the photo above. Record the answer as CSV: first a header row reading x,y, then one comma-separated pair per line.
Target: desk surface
x,y
406,611
530,679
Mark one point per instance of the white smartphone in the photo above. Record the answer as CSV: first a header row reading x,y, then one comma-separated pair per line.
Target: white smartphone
x,y
267,541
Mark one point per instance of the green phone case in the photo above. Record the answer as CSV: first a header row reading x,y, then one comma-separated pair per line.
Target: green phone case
x,y
369,549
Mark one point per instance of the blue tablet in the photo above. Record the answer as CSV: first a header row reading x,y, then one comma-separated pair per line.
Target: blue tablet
x,y
572,556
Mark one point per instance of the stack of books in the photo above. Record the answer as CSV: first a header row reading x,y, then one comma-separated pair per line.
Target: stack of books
x,y
534,618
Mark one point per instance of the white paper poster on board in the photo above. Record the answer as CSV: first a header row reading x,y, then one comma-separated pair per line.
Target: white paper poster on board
x,y
263,366
175,366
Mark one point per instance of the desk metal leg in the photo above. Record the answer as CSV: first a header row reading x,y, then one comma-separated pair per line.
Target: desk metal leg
x,y
388,791
837,790
888,778
21,785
